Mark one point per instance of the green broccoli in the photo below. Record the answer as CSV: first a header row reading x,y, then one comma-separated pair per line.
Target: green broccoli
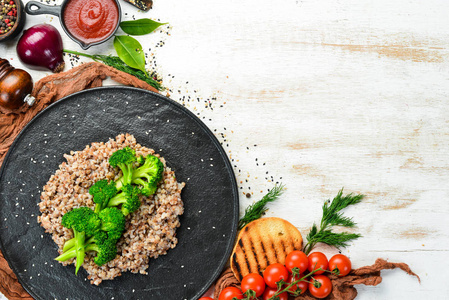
x,y
92,232
147,188
82,221
124,159
148,174
112,222
102,192
105,251
128,199
104,240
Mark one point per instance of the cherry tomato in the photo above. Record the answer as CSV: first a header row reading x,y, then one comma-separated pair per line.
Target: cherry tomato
x,y
206,298
297,259
229,293
269,292
324,290
274,273
318,260
341,263
302,284
253,282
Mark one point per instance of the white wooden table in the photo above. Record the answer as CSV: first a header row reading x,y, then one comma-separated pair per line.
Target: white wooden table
x,y
322,95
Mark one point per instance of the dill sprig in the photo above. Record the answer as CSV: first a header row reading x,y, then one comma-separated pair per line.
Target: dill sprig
x,y
333,217
258,209
117,63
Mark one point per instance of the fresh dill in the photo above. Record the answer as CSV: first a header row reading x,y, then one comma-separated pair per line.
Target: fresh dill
x,y
117,63
258,209
333,217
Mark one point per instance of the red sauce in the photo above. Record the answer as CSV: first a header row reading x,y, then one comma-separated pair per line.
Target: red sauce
x,y
91,21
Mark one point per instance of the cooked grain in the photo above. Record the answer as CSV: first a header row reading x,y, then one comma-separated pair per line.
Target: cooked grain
x,y
150,231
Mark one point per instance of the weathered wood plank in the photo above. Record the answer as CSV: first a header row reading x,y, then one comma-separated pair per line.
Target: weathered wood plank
x,y
322,95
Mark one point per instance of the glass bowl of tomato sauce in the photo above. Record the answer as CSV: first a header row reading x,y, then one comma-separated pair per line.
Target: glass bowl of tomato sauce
x,y
87,22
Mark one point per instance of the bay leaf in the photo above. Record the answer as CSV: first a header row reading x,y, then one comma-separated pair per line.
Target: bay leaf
x,y
130,51
140,26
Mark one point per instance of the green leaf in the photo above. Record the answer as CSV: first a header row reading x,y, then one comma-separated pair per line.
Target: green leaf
x,y
140,26
130,52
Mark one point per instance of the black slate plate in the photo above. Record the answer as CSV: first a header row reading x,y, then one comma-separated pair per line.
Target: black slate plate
x,y
208,226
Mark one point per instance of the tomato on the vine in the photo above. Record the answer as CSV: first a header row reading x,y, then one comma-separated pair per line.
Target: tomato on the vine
x,y
229,293
341,263
270,292
274,273
297,259
255,282
325,286
303,285
318,260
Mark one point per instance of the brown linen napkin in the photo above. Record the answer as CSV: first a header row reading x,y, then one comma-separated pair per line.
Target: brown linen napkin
x,y
46,91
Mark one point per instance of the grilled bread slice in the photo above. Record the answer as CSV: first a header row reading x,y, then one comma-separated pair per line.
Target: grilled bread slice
x,y
263,242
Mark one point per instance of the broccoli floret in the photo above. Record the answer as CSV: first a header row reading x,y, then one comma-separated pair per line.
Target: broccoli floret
x,y
128,199
112,222
75,219
104,240
102,192
147,188
106,251
148,174
82,221
124,159
100,233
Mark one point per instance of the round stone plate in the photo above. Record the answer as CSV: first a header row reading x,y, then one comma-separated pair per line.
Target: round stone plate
x,y
208,226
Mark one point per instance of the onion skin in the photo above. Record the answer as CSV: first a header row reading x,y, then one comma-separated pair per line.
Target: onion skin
x,y
40,48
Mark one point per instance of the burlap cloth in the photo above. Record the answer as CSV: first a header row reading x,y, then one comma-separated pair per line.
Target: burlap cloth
x,y
46,91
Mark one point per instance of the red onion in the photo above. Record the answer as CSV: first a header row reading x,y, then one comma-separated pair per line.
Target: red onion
x,y
40,47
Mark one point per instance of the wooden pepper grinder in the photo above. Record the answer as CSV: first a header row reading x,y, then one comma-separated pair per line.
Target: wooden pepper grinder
x,y
16,86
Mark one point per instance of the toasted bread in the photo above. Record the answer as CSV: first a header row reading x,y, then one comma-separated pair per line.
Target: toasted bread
x,y
263,242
